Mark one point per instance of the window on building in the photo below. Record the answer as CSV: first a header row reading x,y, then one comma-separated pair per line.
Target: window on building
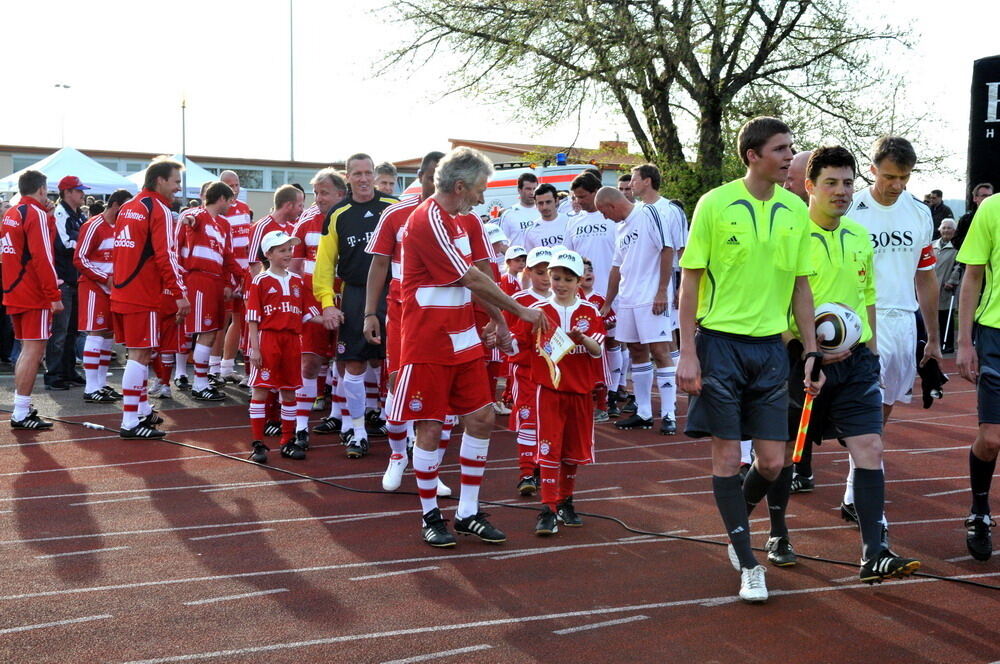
x,y
277,178
250,178
134,167
302,177
22,161
108,163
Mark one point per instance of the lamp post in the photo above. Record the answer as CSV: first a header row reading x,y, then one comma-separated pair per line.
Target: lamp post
x,y
62,114
184,182
291,84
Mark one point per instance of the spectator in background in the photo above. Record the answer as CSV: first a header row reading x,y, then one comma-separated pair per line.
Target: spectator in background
x,y
939,211
949,275
980,193
625,186
385,178
96,208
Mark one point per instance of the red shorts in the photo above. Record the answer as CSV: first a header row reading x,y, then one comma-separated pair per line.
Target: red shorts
x,y
318,340
31,324
434,391
565,428
93,308
522,415
236,306
137,330
170,333
280,361
205,293
393,332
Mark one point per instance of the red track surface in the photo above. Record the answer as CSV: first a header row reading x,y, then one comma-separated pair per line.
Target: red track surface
x,y
155,530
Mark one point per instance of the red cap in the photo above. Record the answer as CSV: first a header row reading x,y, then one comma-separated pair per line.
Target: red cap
x,y
71,182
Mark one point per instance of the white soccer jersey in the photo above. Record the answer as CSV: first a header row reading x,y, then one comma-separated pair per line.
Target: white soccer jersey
x,y
592,235
546,233
677,226
515,221
901,237
639,240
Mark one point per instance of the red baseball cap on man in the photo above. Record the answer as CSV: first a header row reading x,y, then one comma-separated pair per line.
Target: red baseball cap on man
x,y
71,182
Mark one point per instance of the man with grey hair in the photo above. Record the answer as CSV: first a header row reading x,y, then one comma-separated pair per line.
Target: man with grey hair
x,y
443,366
949,276
385,178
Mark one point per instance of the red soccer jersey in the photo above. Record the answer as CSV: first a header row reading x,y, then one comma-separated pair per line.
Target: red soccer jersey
x,y
29,274
277,303
308,229
510,284
262,227
94,249
579,369
387,239
145,255
238,216
206,246
439,325
525,298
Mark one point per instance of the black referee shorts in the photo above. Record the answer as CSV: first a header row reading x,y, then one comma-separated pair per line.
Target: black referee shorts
x,y
987,340
351,342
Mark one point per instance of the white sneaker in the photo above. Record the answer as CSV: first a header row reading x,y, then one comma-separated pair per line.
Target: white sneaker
x,y
500,408
153,387
753,589
164,392
734,560
393,476
443,489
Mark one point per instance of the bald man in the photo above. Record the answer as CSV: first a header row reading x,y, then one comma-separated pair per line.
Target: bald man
x,y
795,181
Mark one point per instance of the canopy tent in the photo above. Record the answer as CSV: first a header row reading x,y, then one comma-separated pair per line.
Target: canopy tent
x,y
68,161
195,175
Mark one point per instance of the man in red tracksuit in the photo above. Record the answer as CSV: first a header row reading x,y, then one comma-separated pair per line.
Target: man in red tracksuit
x,y
145,264
30,289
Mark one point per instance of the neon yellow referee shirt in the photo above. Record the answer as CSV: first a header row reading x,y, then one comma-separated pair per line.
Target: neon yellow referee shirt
x,y
751,251
981,247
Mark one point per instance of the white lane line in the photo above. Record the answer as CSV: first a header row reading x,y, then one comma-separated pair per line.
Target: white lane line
x,y
213,600
961,559
367,636
686,479
607,488
606,623
361,518
103,465
402,571
242,532
115,437
443,653
945,493
109,500
81,553
25,628
569,547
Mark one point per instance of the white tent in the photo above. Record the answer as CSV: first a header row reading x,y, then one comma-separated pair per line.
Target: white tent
x,y
195,176
67,161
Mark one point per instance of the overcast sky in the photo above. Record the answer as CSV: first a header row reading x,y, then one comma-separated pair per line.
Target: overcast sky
x,y
129,64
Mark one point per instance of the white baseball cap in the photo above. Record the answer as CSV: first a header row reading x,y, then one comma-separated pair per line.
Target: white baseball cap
x,y
276,239
515,252
539,255
569,259
494,233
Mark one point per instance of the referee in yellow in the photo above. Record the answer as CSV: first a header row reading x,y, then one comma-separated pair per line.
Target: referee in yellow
x,y
747,261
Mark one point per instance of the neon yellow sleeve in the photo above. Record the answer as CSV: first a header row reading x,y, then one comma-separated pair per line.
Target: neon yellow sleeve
x,y
326,266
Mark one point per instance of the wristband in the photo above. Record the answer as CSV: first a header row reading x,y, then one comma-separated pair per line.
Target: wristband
x,y
818,355
367,315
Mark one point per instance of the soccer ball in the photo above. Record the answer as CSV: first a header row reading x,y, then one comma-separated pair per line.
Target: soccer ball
x,y
838,328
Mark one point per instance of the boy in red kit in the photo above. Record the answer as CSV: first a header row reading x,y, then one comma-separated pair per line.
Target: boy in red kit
x,y
514,257
565,424
522,417
275,313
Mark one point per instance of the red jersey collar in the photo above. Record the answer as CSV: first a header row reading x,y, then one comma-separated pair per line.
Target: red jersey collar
x,y
157,196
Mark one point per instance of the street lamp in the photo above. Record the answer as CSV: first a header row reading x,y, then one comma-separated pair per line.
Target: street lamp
x,y
62,114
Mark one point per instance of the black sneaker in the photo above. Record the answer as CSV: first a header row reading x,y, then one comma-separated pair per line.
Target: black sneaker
x,y
76,379
567,515
302,439
208,394
110,391
292,451
151,420
527,485
272,429
803,484
613,410
780,552
478,525
357,448
215,380
57,385
376,428
977,538
182,383
259,453
887,565
848,513
375,417
141,431
328,425
629,407
634,422
98,397
436,531
31,421
547,523
668,427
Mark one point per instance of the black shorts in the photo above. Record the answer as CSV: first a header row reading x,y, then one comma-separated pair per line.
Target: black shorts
x,y
744,388
987,340
850,403
351,342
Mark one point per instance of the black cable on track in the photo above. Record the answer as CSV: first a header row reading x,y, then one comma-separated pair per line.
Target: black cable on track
x,y
604,517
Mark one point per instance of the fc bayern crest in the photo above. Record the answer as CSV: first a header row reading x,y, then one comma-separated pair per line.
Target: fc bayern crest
x,y
265,375
100,320
416,405
295,291
524,413
207,320
583,324
341,348
544,448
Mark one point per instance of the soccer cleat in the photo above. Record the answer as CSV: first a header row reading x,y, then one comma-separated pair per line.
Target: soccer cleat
x,y
734,560
478,525
393,475
215,380
357,448
291,450
374,417
753,588
547,523
443,490
629,407
600,415
978,539
98,397
887,565
319,404
182,383
848,513
668,427
328,425
107,389
151,420
780,552
375,425
233,377
210,393
153,387
803,484
259,453
302,439
435,530
634,422
141,431
31,421
527,485
165,392
613,410
567,515
272,428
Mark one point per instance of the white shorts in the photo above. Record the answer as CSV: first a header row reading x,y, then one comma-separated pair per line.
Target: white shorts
x,y
639,325
896,333
675,323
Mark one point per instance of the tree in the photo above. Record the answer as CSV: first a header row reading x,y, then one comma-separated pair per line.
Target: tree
x,y
683,73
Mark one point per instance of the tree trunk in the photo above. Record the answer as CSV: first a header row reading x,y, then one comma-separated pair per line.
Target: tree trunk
x,y
711,147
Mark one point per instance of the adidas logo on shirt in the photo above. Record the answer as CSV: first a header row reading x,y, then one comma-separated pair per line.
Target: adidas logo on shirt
x,y
733,241
862,206
271,290
124,239
368,213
